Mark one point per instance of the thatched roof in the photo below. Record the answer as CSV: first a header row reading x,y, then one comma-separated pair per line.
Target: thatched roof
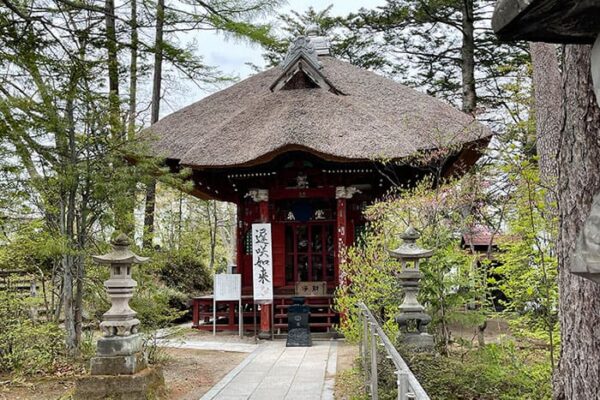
x,y
366,117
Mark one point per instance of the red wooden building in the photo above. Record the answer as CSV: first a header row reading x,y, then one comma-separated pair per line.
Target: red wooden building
x,y
302,146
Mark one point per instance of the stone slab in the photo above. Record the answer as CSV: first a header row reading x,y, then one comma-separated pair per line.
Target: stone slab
x,y
417,341
119,345
118,365
299,337
148,384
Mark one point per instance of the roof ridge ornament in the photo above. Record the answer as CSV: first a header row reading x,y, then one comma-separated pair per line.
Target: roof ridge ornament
x,y
301,47
321,43
302,68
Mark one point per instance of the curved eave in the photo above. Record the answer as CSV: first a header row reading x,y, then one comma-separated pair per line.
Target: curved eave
x,y
265,158
469,152
554,21
459,163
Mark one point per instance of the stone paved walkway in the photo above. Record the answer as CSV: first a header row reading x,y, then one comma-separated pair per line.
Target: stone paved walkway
x,y
276,372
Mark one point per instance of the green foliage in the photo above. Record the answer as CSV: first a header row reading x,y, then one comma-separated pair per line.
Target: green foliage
x,y
184,270
528,262
450,280
26,347
373,282
349,385
154,307
494,372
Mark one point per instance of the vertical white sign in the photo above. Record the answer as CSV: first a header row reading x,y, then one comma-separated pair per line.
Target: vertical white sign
x,y
262,263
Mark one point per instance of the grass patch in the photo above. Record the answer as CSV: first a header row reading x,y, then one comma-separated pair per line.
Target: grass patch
x,y
349,384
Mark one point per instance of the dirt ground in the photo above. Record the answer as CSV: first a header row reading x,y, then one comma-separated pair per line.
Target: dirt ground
x,y
191,373
348,383
51,388
188,375
347,354
496,331
222,337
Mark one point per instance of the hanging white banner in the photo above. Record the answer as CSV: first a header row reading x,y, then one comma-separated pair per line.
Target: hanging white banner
x,y
262,263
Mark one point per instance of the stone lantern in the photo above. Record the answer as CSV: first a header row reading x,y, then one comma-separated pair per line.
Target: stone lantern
x,y
412,318
120,368
120,350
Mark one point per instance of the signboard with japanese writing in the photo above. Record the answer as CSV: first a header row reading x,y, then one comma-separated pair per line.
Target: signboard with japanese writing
x,y
228,287
262,263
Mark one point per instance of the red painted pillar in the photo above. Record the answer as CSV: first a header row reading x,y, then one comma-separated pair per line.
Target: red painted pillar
x,y
342,197
239,238
195,313
265,310
341,236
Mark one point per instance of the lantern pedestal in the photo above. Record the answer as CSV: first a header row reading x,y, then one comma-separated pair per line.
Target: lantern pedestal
x,y
412,318
119,356
146,384
417,341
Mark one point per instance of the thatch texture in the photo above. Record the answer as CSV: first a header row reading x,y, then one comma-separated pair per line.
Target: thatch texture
x,y
374,118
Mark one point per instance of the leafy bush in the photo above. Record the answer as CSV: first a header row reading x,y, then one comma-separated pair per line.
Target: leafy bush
x,y
494,372
154,309
25,346
449,280
184,271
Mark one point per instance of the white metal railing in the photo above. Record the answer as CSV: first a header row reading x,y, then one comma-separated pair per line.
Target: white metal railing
x,y
372,336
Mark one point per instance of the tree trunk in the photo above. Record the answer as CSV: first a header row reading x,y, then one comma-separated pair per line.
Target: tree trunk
x,y
481,333
69,161
155,111
71,337
69,261
213,225
227,231
133,71
113,69
149,209
547,88
158,60
469,94
578,374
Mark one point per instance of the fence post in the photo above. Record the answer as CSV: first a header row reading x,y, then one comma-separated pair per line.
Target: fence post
x,y
402,385
374,375
365,338
361,347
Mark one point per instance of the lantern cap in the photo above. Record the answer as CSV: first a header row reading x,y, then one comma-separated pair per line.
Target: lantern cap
x,y
409,248
410,234
120,253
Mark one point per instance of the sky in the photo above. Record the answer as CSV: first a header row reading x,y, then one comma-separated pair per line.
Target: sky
x,y
231,56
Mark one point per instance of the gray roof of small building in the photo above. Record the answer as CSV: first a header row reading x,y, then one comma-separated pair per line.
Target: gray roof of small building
x,y
370,117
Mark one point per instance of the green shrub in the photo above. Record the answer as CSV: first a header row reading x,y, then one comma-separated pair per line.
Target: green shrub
x,y
184,271
494,372
153,307
26,347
